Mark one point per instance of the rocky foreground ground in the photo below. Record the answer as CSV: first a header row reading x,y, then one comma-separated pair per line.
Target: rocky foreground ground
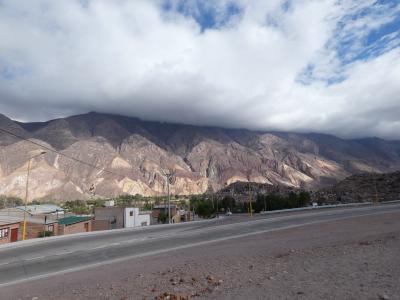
x,y
356,258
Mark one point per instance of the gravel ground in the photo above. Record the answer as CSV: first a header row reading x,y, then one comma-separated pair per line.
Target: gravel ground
x,y
351,259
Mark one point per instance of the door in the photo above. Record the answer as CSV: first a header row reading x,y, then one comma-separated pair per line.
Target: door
x,y
86,227
14,235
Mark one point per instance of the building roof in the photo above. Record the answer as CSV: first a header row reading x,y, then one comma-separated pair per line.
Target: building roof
x,y
162,206
41,209
12,218
109,208
8,221
72,220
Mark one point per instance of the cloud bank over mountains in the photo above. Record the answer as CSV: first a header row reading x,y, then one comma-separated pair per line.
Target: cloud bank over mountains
x,y
326,66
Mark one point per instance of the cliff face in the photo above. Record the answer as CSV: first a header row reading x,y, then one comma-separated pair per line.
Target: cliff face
x,y
132,155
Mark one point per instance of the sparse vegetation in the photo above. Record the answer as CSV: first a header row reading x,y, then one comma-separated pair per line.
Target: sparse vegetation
x,y
6,202
78,207
45,234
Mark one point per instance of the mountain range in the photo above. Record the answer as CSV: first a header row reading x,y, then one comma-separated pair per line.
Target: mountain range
x,y
106,155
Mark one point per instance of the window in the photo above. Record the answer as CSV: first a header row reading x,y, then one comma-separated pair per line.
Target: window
x,y
4,233
50,228
131,213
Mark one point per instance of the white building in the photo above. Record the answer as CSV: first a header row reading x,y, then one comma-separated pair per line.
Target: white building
x,y
133,218
109,203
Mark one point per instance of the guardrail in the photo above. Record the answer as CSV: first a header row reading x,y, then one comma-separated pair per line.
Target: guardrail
x,y
325,207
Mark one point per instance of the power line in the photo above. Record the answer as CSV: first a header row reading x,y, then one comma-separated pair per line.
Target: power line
x,y
58,152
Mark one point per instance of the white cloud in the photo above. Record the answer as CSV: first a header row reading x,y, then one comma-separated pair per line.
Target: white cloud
x,y
131,57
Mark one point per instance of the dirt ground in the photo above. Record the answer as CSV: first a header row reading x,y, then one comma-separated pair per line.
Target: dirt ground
x,y
356,258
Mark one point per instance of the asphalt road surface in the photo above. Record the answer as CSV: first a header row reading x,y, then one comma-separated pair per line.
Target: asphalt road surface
x,y
25,261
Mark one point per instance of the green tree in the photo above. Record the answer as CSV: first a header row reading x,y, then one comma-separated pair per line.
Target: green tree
x,y
79,207
228,204
304,198
162,218
205,209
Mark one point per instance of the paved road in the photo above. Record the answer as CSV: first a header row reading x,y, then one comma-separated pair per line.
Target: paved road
x,y
41,258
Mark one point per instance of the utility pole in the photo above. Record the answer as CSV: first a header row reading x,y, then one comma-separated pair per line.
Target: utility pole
x,y
265,204
250,205
26,193
217,209
376,200
168,176
44,225
169,202
216,202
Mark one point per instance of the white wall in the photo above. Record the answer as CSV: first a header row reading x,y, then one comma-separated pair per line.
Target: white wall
x,y
135,220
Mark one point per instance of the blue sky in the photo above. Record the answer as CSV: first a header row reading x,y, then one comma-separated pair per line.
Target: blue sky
x,y
206,14
375,41
301,65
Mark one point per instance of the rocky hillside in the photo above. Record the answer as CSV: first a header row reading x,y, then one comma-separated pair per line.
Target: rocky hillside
x,y
366,187
132,155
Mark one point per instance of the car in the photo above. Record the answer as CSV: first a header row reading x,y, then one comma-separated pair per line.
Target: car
x,y
228,213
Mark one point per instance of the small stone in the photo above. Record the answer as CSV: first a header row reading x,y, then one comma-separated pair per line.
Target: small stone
x,y
383,297
210,279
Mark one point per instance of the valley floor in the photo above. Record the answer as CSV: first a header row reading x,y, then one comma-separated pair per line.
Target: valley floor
x,y
355,258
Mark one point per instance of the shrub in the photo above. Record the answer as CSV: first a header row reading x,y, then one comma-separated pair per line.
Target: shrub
x,y
45,233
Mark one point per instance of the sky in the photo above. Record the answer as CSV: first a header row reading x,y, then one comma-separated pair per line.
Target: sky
x,y
328,66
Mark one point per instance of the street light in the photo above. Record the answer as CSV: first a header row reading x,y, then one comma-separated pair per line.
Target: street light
x,y
26,192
